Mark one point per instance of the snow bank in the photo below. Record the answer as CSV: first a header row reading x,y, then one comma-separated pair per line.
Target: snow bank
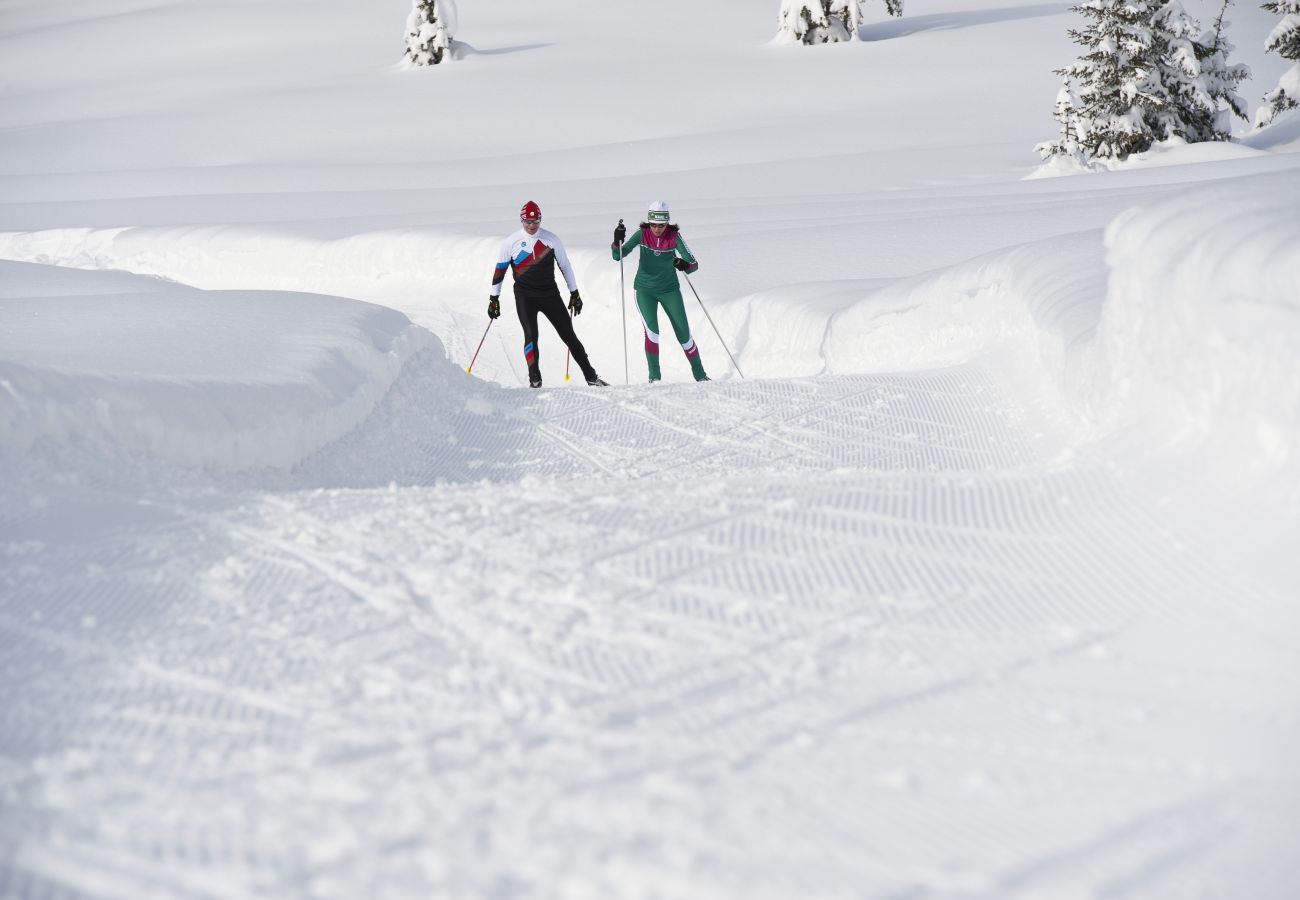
x,y
1175,332
1199,344
437,279
227,380
1281,136
1039,299
1035,299
261,257
1174,151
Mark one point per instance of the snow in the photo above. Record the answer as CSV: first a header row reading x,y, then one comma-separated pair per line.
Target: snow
x,y
184,376
981,583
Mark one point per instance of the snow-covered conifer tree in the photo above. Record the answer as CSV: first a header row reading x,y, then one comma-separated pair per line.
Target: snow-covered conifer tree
x,y
1283,40
824,21
1148,74
1221,78
429,30
1067,114
1111,83
1182,105
818,21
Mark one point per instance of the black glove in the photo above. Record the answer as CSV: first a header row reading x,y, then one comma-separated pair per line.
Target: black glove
x,y
620,233
575,303
681,264
494,308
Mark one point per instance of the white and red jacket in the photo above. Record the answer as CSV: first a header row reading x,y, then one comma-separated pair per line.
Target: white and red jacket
x,y
532,257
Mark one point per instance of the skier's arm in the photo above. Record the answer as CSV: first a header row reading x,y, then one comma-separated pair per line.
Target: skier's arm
x,y
629,245
687,256
562,260
499,273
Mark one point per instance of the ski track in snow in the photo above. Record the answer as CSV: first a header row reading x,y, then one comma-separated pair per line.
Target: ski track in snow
x,y
484,645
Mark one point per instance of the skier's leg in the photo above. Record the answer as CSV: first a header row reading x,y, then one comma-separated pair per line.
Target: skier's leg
x,y
527,310
556,313
648,305
676,310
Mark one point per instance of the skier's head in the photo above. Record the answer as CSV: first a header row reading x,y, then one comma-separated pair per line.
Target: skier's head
x,y
657,213
656,219
530,215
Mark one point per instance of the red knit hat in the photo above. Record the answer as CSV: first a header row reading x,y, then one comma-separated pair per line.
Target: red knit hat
x,y
531,212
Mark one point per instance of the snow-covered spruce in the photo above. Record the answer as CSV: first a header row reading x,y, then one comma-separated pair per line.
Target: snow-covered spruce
x,y
1195,87
429,30
1100,108
1147,74
1221,77
1284,40
824,21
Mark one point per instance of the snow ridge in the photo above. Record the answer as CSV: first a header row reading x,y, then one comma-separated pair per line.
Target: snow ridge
x,y
229,380
1201,331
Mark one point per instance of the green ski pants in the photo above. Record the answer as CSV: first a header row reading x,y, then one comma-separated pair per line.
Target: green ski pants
x,y
648,303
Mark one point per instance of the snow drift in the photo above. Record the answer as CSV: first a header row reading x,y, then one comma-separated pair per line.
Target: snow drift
x,y
1200,336
228,380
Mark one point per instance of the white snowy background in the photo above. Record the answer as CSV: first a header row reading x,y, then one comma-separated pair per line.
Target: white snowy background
x,y
982,583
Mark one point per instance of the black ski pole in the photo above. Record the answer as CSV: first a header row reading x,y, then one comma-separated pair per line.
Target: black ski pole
x,y
715,327
622,302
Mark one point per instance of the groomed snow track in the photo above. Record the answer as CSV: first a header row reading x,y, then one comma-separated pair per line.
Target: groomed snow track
x,y
764,639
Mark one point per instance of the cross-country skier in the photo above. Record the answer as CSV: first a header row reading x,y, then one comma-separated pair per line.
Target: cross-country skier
x,y
531,253
663,253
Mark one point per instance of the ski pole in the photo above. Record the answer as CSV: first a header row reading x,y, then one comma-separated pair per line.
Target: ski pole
x,y
715,327
480,346
622,302
567,351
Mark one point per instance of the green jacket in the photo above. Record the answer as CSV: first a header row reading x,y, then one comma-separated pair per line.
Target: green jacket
x,y
655,271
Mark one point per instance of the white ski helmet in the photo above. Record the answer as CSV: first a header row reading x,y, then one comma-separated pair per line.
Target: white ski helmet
x,y
658,213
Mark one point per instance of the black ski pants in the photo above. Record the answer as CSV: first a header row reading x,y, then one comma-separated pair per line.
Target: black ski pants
x,y
528,304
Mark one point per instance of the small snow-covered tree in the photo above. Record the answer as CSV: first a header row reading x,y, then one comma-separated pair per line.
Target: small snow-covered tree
x,y
1220,77
429,30
1181,103
818,21
824,21
1067,114
1284,40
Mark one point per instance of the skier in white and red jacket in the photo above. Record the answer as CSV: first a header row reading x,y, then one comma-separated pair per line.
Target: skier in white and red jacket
x,y
532,253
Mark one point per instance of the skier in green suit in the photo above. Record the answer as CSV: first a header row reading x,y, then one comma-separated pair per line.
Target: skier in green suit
x,y
663,253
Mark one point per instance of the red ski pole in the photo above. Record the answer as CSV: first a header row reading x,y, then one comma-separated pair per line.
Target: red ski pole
x,y
480,346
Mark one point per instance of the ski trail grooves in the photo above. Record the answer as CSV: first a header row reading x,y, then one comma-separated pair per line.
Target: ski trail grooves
x,y
726,622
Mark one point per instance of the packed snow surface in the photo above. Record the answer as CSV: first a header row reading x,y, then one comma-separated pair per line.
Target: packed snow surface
x,y
981,583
